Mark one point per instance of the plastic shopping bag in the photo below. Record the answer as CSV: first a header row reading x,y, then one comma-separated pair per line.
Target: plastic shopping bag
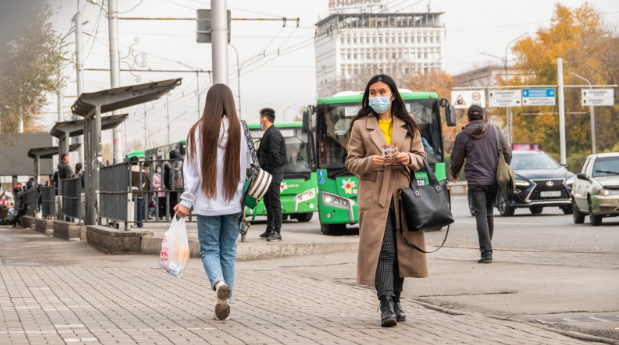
x,y
175,248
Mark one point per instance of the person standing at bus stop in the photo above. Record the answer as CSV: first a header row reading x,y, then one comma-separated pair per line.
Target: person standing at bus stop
x,y
384,258
477,144
272,157
216,159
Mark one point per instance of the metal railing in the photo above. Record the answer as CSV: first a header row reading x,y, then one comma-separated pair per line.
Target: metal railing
x,y
31,198
71,198
123,184
48,201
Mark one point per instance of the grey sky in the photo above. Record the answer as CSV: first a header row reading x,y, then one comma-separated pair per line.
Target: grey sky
x,y
286,82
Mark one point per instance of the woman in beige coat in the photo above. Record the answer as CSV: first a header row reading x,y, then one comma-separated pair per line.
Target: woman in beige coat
x,y
384,258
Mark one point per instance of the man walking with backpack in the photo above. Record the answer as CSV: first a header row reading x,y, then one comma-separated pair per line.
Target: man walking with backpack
x,y
272,157
477,143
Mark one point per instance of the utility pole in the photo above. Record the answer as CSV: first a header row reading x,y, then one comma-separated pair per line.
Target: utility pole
x,y
168,106
198,92
561,111
112,13
145,135
219,16
592,108
79,69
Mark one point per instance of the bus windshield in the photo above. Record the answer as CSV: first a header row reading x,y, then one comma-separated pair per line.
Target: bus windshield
x,y
299,157
333,121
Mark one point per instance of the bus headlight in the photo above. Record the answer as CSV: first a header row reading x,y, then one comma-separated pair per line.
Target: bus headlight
x,y
335,201
308,194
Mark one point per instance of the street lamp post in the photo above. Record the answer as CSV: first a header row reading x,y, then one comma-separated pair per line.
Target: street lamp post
x,y
509,117
238,77
593,145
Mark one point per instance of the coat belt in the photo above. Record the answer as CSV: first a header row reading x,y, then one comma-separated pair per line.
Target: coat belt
x,y
384,188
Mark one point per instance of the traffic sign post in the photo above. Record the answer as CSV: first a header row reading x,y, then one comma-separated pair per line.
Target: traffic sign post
x,y
538,97
591,98
464,99
504,98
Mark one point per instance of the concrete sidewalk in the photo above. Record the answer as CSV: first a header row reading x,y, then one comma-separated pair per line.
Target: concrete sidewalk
x,y
60,305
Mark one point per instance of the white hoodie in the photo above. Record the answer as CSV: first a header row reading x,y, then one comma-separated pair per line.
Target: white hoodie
x,y
192,174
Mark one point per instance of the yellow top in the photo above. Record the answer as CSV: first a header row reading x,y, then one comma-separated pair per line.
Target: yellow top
x,y
386,127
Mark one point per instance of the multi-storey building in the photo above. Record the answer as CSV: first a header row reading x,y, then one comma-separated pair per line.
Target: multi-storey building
x,y
351,47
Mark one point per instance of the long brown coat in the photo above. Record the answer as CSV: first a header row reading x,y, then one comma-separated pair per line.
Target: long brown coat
x,y
376,188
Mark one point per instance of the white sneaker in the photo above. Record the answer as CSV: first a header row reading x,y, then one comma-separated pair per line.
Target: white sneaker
x,y
222,308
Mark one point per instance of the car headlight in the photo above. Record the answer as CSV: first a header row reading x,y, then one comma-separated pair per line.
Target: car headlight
x,y
522,183
608,192
570,180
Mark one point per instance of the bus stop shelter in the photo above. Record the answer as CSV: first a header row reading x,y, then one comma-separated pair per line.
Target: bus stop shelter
x,y
68,129
40,153
90,106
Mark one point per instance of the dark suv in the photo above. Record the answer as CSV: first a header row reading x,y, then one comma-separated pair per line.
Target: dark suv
x,y
540,182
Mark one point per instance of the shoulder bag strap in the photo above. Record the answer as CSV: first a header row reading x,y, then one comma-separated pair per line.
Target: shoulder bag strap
x,y
412,244
499,146
252,150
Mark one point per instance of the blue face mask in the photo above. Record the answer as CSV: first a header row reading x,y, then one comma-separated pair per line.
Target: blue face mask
x,y
380,104
261,126
158,170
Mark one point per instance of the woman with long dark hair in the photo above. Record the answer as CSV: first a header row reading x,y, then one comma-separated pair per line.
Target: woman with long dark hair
x,y
384,258
216,158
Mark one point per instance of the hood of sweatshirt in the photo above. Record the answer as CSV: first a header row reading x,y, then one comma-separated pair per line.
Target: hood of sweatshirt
x,y
476,129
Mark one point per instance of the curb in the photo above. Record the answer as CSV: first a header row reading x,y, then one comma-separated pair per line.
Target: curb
x,y
247,251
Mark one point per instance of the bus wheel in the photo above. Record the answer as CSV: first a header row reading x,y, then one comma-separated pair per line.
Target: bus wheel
x,y
332,229
303,217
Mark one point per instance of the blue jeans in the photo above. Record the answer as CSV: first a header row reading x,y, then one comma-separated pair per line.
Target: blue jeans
x,y
218,236
140,212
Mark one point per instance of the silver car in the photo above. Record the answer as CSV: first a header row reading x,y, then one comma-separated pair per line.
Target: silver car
x,y
596,189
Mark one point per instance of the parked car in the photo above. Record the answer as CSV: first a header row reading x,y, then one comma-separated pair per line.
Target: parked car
x,y
596,189
540,182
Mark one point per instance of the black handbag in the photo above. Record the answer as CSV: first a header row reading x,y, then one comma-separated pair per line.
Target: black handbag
x,y
426,207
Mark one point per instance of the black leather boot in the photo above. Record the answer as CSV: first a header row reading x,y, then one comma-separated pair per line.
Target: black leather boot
x,y
387,314
400,315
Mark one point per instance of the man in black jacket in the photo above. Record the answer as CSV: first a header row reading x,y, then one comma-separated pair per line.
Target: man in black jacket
x,y
272,157
477,143
64,170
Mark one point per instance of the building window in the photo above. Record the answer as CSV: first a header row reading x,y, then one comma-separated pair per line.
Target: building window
x,y
348,40
349,56
355,56
380,40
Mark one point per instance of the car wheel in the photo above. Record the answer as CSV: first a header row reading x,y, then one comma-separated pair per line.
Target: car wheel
x,y
567,209
536,209
579,217
304,217
332,229
504,209
593,219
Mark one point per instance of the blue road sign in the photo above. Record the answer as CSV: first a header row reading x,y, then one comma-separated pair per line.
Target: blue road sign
x,y
321,173
538,97
321,180
538,93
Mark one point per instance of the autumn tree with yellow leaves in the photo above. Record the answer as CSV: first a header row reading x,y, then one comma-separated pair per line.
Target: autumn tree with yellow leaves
x,y
588,48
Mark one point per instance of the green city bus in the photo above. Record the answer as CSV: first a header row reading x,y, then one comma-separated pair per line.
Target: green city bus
x,y
330,120
298,188
299,185
137,153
